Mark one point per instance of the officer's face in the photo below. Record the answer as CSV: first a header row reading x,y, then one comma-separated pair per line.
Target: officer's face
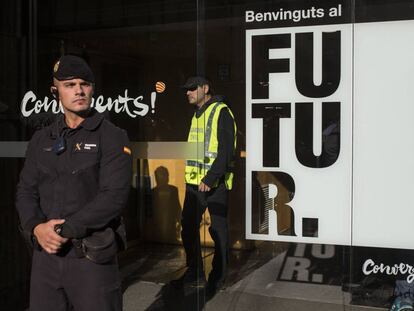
x,y
197,96
75,94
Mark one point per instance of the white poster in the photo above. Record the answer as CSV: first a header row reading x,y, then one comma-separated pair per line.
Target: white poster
x,y
299,134
383,187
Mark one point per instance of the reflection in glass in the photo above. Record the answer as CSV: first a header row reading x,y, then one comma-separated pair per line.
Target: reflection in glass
x,y
273,190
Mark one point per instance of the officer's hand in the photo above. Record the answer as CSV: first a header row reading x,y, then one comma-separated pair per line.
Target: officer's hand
x,y
203,187
46,236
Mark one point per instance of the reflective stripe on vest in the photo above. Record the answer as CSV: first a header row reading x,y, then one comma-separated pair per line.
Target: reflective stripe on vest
x,y
206,132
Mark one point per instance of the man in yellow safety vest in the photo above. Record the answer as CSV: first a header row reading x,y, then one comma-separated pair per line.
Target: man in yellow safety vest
x,y
209,177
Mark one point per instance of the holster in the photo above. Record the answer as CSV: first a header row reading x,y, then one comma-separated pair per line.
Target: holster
x,y
102,246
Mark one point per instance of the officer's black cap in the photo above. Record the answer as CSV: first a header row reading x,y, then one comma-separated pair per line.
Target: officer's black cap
x,y
71,67
193,82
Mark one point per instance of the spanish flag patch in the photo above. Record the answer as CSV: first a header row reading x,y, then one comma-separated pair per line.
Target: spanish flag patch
x,y
127,150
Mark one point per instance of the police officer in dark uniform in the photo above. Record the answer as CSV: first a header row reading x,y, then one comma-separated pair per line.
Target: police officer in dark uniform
x,y
73,186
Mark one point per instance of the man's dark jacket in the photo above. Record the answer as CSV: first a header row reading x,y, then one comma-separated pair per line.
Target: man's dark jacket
x,y
87,185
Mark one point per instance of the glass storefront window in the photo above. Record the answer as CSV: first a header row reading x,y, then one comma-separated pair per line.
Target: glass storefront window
x,y
319,215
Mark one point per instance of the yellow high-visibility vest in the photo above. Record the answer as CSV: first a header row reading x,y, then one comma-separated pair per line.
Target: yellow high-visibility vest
x,y
204,129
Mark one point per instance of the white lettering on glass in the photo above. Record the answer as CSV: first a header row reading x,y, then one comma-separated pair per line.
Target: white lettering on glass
x,y
370,267
133,107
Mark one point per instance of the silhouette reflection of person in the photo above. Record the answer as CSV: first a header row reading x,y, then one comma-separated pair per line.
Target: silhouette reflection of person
x,y
166,206
331,142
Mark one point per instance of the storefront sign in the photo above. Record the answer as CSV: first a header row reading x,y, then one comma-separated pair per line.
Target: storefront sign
x,y
299,124
132,106
371,268
329,127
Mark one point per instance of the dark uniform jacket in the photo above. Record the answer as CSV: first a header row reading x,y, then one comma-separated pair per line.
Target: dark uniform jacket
x,y
87,185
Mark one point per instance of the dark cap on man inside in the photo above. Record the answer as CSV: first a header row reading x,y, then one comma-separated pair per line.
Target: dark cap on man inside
x,y
71,67
195,81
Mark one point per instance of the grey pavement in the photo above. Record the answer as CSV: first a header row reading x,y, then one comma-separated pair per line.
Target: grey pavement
x,y
253,286
146,295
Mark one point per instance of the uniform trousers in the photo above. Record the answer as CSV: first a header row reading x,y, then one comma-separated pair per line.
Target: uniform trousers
x,y
69,283
195,204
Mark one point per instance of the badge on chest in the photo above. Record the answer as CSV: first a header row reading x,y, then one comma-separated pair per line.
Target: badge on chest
x,y
85,147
